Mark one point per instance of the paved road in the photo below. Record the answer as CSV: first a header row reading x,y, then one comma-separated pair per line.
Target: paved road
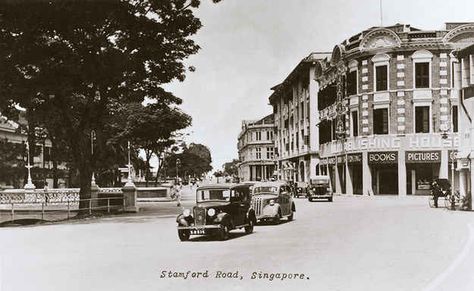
x,y
354,243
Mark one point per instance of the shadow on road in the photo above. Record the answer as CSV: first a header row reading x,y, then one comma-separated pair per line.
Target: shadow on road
x,y
207,238
271,223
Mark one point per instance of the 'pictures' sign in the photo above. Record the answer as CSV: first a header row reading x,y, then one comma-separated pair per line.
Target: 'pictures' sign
x,y
423,157
383,158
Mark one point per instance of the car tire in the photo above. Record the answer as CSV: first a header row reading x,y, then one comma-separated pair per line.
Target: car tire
x,y
291,216
330,199
310,199
277,218
224,232
184,234
249,227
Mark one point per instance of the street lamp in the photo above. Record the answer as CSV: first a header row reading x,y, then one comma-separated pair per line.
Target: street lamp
x,y
29,184
445,128
129,165
178,163
93,138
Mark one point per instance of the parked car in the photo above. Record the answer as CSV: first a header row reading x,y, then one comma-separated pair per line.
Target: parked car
x,y
272,201
319,188
219,209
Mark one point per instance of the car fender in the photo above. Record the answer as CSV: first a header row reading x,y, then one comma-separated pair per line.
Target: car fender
x,y
222,217
184,221
293,207
251,214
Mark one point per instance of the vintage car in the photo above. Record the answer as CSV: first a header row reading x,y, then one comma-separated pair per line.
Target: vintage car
x,y
272,201
301,189
319,188
219,209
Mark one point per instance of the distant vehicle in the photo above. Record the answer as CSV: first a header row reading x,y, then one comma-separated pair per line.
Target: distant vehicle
x,y
219,209
319,188
273,200
301,189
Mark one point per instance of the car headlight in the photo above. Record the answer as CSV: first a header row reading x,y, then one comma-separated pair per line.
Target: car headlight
x,y
186,212
211,212
272,202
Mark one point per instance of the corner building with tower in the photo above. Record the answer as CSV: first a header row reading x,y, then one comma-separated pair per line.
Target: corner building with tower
x,y
388,109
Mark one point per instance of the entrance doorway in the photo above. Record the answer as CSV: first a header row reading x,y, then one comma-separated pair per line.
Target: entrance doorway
x,y
385,179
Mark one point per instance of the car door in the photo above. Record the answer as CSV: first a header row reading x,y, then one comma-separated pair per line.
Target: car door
x,y
239,206
283,199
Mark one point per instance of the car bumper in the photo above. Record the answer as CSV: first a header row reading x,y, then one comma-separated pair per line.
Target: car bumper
x,y
320,196
197,230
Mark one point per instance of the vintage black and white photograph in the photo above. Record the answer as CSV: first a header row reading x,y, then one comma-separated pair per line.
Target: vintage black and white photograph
x,y
236,145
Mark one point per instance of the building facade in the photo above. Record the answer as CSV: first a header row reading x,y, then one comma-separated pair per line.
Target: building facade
x,y
465,156
388,109
294,103
256,149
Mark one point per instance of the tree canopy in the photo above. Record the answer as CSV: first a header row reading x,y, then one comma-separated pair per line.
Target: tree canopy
x,y
73,64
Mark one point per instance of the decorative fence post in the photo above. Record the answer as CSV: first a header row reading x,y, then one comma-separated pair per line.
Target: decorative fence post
x,y
130,198
94,203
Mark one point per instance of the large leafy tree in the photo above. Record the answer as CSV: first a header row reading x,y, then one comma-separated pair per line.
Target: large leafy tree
x,y
194,160
71,63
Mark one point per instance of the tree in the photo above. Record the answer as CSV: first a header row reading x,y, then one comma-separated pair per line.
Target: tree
x,y
231,168
12,162
70,64
195,160
150,127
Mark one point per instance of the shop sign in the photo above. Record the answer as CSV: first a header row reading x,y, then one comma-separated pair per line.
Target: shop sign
x,y
407,142
383,158
423,157
452,155
354,158
341,159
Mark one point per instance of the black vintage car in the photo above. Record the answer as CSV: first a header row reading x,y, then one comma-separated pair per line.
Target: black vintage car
x,y
219,209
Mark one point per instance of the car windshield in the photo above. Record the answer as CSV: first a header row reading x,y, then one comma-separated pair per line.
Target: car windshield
x,y
265,190
213,194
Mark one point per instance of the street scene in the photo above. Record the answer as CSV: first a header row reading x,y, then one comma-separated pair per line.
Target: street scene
x,y
236,145
133,252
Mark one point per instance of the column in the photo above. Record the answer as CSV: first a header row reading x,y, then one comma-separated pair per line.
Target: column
x,y
349,186
130,198
443,95
443,169
400,94
94,195
471,184
365,98
314,162
366,175
462,183
338,180
402,174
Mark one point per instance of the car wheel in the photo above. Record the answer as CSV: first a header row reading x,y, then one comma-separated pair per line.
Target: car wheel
x,y
310,199
184,234
249,227
276,219
290,218
330,199
224,232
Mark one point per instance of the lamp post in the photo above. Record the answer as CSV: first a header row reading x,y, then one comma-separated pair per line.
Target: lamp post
x,y
129,166
93,137
178,163
29,184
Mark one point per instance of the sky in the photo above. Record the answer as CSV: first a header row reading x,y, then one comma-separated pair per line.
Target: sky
x,y
249,46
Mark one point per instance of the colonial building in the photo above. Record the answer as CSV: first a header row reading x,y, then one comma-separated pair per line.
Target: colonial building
x,y
388,109
256,149
465,156
294,103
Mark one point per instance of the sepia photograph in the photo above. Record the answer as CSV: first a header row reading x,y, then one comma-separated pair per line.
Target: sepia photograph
x,y
236,145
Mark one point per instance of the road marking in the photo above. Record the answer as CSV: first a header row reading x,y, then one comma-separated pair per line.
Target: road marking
x,y
459,259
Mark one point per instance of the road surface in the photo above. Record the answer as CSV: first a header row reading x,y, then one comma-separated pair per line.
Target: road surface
x,y
354,243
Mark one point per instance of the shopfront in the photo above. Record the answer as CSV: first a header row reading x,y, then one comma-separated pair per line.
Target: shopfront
x,y
354,163
422,167
384,169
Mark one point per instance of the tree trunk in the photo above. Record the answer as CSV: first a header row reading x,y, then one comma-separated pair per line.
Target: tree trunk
x,y
85,175
54,159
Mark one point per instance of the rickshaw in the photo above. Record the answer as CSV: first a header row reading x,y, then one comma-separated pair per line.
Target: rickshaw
x,y
440,188
319,188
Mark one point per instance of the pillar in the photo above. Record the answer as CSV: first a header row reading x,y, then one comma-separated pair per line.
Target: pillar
x,y
130,198
402,174
338,180
462,183
366,175
94,195
471,184
443,169
349,186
